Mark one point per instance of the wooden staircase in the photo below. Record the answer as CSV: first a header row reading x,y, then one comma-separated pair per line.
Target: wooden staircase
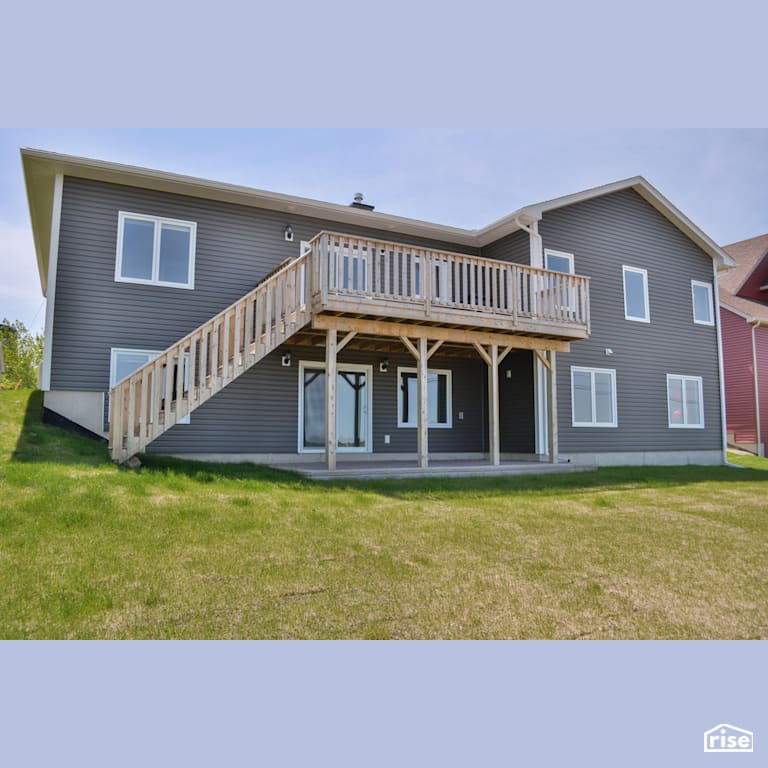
x,y
151,400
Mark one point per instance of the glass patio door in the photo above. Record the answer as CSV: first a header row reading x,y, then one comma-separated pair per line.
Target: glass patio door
x,y
353,408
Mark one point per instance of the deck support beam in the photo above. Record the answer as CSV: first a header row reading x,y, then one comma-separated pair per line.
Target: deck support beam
x,y
492,360
493,406
552,407
330,398
423,426
422,354
436,333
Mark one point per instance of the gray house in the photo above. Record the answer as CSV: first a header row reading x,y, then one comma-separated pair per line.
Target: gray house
x,y
195,318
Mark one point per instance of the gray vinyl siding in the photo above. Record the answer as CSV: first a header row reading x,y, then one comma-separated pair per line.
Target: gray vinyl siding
x,y
604,234
236,247
259,412
515,248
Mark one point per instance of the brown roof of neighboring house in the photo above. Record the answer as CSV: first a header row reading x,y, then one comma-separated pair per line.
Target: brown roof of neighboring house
x,y
747,254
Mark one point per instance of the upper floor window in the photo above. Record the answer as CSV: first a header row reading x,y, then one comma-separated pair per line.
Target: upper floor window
x,y
558,261
702,303
155,251
636,294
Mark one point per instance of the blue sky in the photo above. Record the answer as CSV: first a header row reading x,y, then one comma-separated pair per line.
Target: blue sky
x,y
464,178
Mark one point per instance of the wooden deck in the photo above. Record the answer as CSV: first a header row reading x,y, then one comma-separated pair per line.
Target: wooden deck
x,y
349,290
383,469
380,280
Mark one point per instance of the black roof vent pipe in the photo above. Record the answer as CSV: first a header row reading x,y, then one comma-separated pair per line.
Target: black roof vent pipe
x,y
358,202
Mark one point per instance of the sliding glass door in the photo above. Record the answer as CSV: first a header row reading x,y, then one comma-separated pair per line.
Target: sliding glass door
x,y
353,407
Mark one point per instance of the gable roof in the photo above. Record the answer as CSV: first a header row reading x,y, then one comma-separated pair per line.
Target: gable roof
x,y
748,255
41,167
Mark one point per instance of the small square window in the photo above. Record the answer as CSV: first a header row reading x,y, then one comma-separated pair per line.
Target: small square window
x,y
636,294
155,251
438,398
701,294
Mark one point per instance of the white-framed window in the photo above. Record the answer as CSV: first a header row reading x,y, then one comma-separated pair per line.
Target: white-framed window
x,y
155,251
123,362
560,261
636,305
354,411
685,402
439,396
701,297
593,397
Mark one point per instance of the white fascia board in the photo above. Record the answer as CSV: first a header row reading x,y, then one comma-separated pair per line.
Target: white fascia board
x,y
647,191
53,257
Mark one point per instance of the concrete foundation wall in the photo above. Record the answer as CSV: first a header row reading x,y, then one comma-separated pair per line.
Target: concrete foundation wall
x,y
83,408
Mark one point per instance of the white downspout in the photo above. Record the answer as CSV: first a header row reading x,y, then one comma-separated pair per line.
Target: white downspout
x,y
720,364
758,446
541,414
537,250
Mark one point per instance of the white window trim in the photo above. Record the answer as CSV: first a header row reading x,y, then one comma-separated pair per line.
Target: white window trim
x,y
448,398
708,286
682,378
644,273
152,354
158,222
311,365
563,255
593,424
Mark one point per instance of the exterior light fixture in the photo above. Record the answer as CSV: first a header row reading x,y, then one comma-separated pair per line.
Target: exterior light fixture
x,y
288,233
384,366
286,360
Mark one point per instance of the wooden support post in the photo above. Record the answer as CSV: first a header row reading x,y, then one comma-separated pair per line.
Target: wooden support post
x,y
330,398
552,408
423,423
493,406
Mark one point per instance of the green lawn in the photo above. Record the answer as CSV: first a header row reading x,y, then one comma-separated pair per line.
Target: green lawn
x,y
177,549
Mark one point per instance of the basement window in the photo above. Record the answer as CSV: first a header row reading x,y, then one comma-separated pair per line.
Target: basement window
x,y
439,412
123,362
155,251
684,402
593,397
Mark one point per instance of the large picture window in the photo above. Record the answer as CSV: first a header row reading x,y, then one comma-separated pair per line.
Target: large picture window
x,y
593,397
438,398
684,401
155,251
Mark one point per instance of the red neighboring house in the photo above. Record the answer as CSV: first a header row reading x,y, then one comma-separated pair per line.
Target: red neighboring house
x,y
744,315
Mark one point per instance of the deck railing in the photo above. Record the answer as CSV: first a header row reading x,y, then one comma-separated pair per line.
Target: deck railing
x,y
395,274
156,396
